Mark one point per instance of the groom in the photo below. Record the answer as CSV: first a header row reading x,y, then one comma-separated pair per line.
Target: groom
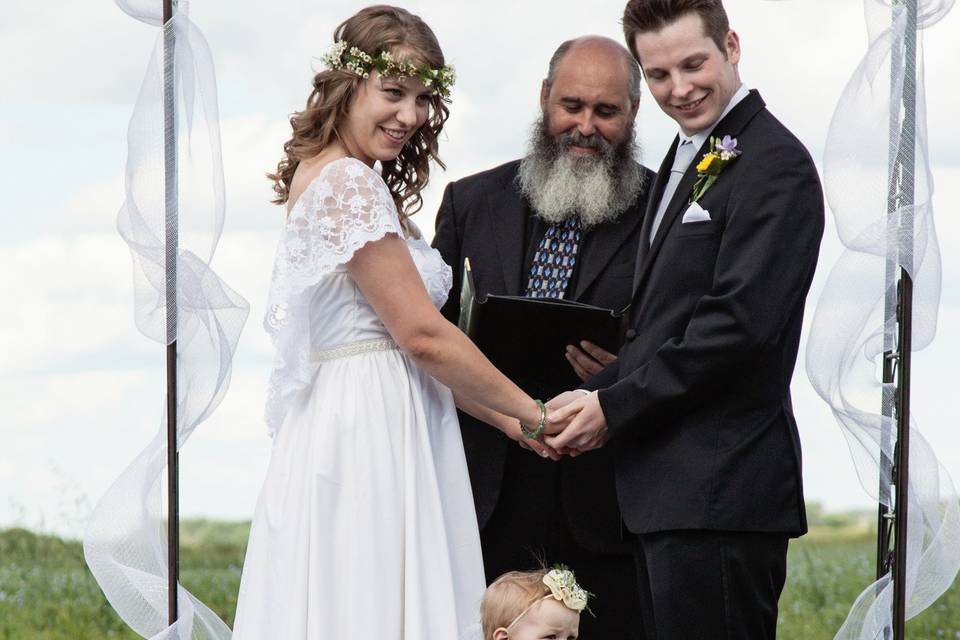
x,y
698,408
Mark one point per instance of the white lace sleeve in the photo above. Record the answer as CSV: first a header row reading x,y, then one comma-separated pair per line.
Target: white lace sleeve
x,y
345,207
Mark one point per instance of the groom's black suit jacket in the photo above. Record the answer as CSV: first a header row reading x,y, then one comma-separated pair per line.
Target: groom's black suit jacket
x,y
698,405
483,217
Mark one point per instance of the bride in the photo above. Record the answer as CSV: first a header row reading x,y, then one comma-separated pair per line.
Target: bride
x,y
365,526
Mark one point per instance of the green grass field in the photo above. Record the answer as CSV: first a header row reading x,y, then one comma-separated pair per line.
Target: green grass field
x,y
46,592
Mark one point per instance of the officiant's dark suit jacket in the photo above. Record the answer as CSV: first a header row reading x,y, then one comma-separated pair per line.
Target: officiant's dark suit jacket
x,y
698,405
483,217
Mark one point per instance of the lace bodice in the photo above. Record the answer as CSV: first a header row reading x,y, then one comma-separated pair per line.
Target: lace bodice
x,y
313,302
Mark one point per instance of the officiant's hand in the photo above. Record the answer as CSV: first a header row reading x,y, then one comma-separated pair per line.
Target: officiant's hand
x,y
588,359
577,426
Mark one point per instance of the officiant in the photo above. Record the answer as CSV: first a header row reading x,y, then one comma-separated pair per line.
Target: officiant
x,y
563,222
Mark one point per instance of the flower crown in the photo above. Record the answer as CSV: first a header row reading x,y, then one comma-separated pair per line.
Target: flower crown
x,y
343,56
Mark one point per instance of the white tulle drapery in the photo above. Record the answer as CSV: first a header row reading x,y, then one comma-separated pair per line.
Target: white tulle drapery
x,y
125,541
852,324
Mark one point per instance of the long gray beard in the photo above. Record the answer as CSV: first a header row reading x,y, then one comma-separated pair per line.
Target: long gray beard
x,y
558,184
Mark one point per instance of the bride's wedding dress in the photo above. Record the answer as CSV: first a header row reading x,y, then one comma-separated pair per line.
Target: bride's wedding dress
x,y
365,526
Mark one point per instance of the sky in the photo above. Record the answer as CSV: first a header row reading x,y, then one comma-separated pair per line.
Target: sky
x,y
81,390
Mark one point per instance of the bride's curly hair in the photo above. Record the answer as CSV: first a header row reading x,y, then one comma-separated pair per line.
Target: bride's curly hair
x,y
372,30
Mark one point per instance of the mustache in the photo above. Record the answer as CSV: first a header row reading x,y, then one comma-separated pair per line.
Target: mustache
x,y
597,187
576,139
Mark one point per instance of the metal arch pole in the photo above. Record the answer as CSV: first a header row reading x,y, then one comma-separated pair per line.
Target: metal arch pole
x,y
898,310
170,197
890,311
893,524
907,164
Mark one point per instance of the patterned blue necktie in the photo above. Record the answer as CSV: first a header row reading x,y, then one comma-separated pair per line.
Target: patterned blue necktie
x,y
554,261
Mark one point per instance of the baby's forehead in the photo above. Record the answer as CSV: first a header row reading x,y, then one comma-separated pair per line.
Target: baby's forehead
x,y
556,613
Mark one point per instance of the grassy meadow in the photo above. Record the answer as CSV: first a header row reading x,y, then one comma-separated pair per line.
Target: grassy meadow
x,y
47,593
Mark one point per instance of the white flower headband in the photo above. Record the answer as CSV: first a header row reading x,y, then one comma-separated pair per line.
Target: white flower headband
x,y
563,588
343,56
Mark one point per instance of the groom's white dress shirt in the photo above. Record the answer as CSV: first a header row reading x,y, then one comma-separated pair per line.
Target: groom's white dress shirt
x,y
686,149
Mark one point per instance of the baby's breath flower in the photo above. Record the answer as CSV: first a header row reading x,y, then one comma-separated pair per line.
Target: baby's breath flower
x,y
357,61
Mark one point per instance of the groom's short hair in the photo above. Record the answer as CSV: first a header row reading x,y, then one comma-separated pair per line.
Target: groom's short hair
x,y
642,16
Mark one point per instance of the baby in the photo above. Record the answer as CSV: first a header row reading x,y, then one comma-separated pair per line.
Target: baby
x,y
528,605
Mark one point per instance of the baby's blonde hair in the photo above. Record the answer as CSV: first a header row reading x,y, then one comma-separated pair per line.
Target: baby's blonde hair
x,y
509,596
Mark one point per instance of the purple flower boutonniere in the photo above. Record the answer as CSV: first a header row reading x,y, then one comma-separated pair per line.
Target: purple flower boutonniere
x,y
722,153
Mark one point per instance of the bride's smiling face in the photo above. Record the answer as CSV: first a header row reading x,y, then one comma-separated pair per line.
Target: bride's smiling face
x,y
384,114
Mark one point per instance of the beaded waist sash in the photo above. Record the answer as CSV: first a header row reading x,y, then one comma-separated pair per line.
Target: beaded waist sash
x,y
353,349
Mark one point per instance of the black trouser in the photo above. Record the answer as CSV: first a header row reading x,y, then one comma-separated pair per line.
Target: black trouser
x,y
528,525
715,585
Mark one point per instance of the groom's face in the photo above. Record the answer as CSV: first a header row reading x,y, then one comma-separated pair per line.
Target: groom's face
x,y
688,75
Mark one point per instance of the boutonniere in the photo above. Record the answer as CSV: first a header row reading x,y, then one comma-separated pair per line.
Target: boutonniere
x,y
722,153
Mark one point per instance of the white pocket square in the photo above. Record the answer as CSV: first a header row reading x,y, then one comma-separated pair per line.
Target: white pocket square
x,y
695,213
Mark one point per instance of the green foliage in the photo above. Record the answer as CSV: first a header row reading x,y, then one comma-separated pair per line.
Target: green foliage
x,y
825,575
47,593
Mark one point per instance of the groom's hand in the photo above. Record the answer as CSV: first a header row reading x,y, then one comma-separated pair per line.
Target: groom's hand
x,y
562,400
555,403
588,359
553,427
579,425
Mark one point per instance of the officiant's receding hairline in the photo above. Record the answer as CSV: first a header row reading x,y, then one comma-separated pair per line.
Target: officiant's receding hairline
x,y
600,43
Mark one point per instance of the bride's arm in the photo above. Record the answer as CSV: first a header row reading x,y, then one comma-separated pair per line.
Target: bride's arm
x,y
389,280
509,426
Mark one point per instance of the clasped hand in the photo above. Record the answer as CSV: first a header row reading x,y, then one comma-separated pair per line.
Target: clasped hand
x,y
575,425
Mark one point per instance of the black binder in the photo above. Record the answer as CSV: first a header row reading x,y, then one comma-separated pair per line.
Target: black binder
x,y
526,337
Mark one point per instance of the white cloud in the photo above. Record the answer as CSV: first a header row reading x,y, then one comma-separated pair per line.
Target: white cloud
x,y
251,146
68,436
93,207
71,51
70,299
67,297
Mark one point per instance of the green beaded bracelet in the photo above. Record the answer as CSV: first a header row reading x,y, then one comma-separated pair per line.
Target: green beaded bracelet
x,y
533,435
